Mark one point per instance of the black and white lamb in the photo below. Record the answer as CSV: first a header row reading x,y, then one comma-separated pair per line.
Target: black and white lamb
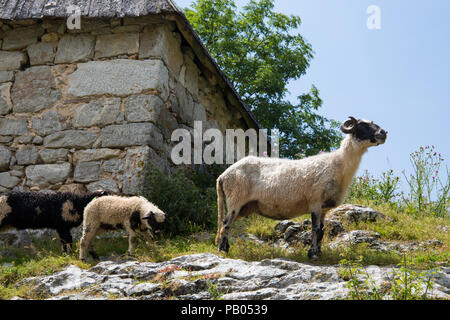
x,y
134,214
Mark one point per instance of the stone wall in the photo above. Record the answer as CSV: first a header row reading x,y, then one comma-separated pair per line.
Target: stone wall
x,y
86,109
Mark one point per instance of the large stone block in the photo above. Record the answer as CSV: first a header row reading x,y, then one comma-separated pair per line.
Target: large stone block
x,y
5,158
108,185
119,77
168,123
34,89
41,53
6,76
5,98
27,155
158,41
134,170
87,172
13,127
189,76
8,181
53,155
74,48
132,134
50,122
113,165
78,139
158,162
21,37
143,108
98,113
12,60
111,45
185,104
46,175
95,155
199,113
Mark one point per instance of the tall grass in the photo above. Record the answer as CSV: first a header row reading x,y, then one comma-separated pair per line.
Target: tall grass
x,y
428,192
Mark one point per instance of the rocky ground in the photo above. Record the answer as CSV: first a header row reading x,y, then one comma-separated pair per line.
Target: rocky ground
x,y
209,276
291,232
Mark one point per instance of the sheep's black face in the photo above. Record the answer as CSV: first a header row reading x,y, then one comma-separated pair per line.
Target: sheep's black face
x,y
370,132
153,224
365,132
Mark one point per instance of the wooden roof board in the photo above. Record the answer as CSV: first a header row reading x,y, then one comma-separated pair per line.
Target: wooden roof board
x,y
26,9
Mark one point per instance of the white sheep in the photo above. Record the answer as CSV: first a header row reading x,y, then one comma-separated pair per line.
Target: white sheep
x,y
134,214
283,189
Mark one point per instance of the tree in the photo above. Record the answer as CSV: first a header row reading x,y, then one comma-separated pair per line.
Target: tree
x,y
259,52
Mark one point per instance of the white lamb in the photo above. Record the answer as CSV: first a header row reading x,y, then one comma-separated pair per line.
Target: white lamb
x,y
134,214
283,189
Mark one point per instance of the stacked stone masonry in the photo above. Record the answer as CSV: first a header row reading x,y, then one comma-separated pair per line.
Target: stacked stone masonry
x,y
87,109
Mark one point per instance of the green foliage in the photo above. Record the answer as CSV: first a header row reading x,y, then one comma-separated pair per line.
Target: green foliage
x,y
425,184
366,187
409,284
428,193
260,52
406,284
205,176
214,291
359,289
189,208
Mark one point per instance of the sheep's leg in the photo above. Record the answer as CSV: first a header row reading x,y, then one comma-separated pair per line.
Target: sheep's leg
x,y
317,228
66,240
92,252
228,221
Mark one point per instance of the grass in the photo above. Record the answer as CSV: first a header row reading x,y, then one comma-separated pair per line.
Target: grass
x,y
45,258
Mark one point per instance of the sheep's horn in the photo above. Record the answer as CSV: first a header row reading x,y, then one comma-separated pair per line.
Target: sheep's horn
x,y
349,126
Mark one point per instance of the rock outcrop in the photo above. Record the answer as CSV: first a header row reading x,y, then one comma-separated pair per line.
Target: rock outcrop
x,y
207,276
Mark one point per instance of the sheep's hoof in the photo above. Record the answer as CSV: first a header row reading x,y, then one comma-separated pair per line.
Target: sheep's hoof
x,y
314,254
224,245
94,255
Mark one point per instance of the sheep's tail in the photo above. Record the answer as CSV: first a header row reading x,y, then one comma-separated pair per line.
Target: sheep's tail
x,y
220,209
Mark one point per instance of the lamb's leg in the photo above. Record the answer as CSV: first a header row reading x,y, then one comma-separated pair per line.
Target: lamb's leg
x,y
86,242
131,241
66,240
317,228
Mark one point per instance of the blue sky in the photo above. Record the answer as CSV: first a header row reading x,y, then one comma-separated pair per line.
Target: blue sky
x,y
398,76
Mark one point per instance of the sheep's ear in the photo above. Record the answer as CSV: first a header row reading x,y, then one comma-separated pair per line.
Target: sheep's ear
x,y
148,216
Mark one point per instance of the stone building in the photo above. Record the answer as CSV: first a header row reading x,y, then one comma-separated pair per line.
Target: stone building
x,y
82,109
